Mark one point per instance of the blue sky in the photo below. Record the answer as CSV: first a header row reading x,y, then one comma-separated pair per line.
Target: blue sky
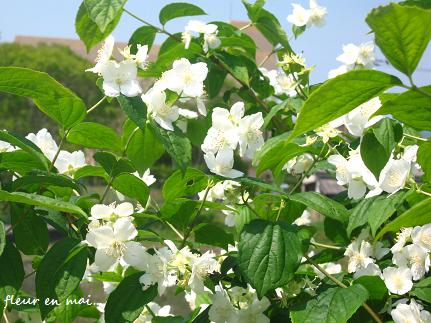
x,y
320,46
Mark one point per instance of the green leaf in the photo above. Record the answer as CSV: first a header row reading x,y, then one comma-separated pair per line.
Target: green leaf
x,y
26,145
42,201
402,33
20,162
87,29
89,170
52,98
103,12
236,65
189,183
422,289
267,24
12,271
215,79
30,231
388,133
144,149
411,107
376,287
339,96
268,254
179,9
112,165
373,154
2,237
419,214
135,109
424,156
322,204
47,180
144,35
211,234
382,209
334,305
128,300
94,135
60,272
176,145
268,156
132,187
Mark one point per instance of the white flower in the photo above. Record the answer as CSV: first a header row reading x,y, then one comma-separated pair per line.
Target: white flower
x,y
230,218
317,14
412,313
201,267
221,191
209,31
120,78
338,71
326,132
219,139
415,258
222,311
44,141
147,178
354,173
300,16
103,55
110,242
186,78
282,83
141,56
161,112
222,164
330,268
370,270
402,238
362,55
6,147
304,219
313,16
67,163
398,280
299,164
111,212
228,119
421,236
147,317
357,120
359,253
393,177
159,271
250,135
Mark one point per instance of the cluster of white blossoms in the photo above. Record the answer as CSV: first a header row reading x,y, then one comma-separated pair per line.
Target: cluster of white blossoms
x,y
186,80
363,254
281,82
66,162
354,57
237,304
195,28
120,78
412,312
412,260
300,16
231,129
146,316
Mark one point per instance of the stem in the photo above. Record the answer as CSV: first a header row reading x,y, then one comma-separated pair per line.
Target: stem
x,y
174,229
60,145
419,90
97,104
105,192
370,311
425,193
190,228
414,137
282,205
5,317
318,244
151,312
129,140
246,26
267,57
30,274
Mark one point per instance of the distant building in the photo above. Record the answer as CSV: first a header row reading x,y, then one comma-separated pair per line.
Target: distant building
x,y
77,46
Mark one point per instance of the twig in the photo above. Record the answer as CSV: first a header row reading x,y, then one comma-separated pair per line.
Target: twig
x,y
370,311
97,104
190,228
414,137
318,244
